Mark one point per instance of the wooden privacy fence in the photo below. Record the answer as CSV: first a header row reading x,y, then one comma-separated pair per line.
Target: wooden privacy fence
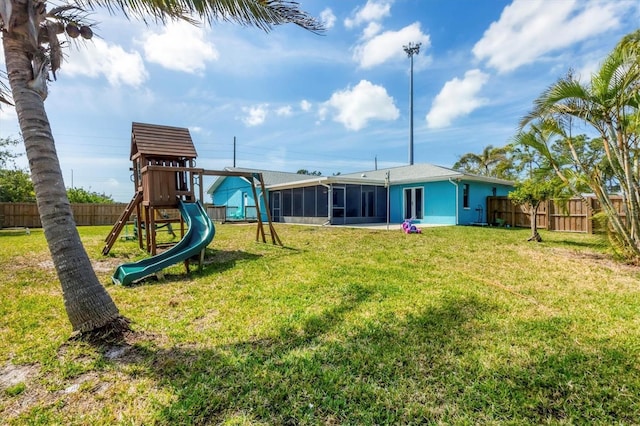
x,y
26,214
572,215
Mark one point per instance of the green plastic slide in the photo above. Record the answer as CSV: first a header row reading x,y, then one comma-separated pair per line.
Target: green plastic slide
x,y
200,233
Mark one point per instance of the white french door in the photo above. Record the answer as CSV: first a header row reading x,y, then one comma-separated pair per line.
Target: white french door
x,y
413,203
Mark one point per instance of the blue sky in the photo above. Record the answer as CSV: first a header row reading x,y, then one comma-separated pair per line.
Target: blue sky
x,y
332,103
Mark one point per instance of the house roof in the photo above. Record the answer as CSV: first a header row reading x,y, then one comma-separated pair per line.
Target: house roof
x,y
422,173
270,177
397,175
164,141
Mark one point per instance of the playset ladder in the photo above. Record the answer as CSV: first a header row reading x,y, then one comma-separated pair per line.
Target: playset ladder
x,y
122,221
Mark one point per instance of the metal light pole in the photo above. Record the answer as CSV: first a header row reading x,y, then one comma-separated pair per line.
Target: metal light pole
x,y
411,49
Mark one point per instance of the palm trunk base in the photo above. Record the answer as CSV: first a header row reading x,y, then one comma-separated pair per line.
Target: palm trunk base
x,y
112,332
535,237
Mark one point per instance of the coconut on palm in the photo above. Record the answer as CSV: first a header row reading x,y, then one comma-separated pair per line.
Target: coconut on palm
x,y
72,30
58,27
86,32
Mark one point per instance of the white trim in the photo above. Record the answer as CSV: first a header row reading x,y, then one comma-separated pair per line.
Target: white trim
x,y
413,204
455,183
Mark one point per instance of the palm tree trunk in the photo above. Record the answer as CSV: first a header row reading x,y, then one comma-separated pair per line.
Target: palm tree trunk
x,y
535,235
88,305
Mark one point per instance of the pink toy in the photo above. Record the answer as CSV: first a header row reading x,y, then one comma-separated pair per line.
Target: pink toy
x,y
408,228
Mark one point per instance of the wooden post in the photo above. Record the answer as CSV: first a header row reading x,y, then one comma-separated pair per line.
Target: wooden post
x,y
272,229
146,227
151,230
590,215
550,206
260,228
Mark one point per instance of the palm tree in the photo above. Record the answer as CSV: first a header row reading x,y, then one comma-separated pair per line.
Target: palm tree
x,y
32,51
488,163
610,105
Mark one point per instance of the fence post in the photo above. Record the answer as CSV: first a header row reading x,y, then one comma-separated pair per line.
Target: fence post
x,y
590,215
550,204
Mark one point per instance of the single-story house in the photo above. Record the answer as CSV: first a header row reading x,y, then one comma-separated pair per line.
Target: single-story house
x,y
424,193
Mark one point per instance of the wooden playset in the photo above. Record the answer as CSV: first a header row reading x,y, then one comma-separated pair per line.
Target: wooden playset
x,y
164,172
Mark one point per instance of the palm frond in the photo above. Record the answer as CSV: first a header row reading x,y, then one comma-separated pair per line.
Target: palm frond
x,y
263,14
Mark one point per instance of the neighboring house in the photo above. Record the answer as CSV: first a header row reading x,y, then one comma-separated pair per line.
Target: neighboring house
x,y
236,195
425,193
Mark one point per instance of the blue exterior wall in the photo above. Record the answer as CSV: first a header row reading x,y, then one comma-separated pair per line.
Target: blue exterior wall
x,y
440,205
231,193
439,202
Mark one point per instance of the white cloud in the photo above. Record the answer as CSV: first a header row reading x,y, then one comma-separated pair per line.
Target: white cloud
x,y
388,46
588,69
305,105
111,183
179,46
276,157
355,107
256,115
284,111
457,98
328,18
371,30
372,11
98,57
527,30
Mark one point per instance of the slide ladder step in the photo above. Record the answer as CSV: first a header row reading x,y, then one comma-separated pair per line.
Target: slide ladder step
x,y
121,222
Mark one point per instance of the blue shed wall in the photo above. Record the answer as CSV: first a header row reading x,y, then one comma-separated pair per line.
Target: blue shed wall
x,y
231,193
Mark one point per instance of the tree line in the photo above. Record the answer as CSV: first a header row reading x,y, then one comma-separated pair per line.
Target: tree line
x,y
16,185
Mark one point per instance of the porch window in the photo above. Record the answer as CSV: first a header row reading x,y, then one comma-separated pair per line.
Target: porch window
x,y
298,198
368,201
286,202
322,201
310,201
353,201
338,201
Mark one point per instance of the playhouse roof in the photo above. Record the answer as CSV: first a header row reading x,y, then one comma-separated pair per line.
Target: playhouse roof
x,y
163,141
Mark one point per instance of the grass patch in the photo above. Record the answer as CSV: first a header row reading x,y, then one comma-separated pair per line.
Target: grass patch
x,y
15,390
342,326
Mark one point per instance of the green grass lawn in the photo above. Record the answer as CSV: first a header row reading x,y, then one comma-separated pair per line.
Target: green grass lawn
x,y
457,325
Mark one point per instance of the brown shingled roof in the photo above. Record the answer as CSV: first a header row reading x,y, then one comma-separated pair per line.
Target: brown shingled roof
x,y
165,141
